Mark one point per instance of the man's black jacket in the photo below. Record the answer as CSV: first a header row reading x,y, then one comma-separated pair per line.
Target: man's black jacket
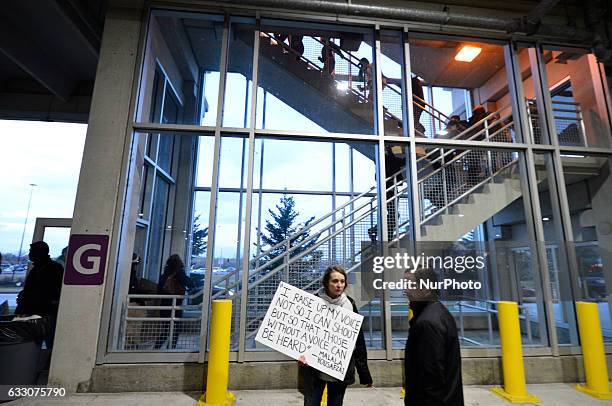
x,y
432,364
42,288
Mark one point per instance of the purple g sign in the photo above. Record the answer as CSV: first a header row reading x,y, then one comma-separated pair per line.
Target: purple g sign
x,y
86,259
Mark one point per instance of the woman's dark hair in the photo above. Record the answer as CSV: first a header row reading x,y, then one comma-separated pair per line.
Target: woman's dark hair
x,y
173,264
328,272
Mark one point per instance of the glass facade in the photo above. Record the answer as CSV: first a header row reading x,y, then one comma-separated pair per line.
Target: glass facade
x,y
296,173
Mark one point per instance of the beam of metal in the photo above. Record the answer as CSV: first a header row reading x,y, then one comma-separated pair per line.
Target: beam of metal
x,y
532,21
17,45
424,13
76,14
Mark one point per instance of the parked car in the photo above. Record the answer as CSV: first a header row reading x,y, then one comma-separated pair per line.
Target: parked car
x,y
595,285
594,282
18,268
198,284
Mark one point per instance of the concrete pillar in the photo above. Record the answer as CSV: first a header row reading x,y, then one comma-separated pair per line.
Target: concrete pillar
x,y
99,195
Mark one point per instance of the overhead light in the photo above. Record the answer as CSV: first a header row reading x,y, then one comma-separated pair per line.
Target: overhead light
x,y
467,53
545,218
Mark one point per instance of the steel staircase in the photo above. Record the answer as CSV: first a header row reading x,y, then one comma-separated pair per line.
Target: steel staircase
x,y
457,189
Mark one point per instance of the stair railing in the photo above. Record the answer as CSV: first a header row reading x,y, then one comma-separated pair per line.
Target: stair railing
x,y
451,161
569,112
346,216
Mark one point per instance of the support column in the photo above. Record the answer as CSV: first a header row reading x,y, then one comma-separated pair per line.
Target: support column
x,y
100,193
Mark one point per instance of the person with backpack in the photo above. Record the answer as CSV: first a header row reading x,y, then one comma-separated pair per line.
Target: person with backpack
x,y
173,281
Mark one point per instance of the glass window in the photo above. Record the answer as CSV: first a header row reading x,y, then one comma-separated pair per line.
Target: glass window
x,y
589,190
309,227
160,225
237,105
460,90
577,90
165,153
316,77
233,160
556,251
180,73
289,165
393,92
157,231
527,66
477,198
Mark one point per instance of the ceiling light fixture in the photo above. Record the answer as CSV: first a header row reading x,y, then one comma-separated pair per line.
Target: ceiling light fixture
x,y
467,53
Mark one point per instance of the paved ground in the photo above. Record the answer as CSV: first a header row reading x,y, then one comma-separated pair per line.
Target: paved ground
x,y
551,395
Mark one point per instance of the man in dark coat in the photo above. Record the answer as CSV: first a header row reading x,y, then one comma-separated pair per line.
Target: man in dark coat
x,y
432,363
43,284
42,288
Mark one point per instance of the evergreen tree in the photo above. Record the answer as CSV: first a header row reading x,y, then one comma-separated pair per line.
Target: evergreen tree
x,y
283,225
199,242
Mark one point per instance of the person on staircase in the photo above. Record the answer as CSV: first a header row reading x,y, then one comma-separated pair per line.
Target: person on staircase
x,y
453,129
365,76
417,105
474,158
296,43
328,57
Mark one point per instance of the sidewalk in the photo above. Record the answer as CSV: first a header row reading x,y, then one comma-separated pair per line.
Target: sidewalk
x,y
550,394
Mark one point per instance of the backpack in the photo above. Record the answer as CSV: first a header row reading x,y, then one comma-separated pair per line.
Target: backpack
x,y
172,286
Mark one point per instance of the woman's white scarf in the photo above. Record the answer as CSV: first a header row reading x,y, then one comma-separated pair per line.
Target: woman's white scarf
x,y
341,300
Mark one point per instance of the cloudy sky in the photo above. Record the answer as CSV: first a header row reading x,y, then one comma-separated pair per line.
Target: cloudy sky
x,y
48,155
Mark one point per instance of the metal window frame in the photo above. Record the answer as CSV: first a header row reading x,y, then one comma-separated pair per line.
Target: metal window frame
x,y
526,147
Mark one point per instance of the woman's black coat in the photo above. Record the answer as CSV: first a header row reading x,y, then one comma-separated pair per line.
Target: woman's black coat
x,y
359,360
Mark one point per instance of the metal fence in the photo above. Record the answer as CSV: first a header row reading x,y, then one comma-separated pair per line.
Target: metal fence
x,y
569,125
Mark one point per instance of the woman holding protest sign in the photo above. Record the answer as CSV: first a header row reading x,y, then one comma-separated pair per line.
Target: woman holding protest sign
x,y
334,284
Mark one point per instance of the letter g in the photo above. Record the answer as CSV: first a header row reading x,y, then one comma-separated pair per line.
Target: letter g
x,y
94,260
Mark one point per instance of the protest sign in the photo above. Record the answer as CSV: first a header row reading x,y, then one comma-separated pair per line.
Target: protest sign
x,y
299,323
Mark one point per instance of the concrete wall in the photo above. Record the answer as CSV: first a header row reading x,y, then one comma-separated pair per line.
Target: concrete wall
x,y
284,375
99,195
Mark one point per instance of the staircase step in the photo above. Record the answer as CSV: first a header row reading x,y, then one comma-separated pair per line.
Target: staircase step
x,y
472,210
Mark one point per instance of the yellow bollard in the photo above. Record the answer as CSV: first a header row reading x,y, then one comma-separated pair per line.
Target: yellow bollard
x,y
324,397
218,359
514,389
595,367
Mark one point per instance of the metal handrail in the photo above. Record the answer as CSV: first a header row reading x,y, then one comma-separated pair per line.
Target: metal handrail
x,y
450,152
424,103
313,237
467,130
489,312
469,191
351,59
294,259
